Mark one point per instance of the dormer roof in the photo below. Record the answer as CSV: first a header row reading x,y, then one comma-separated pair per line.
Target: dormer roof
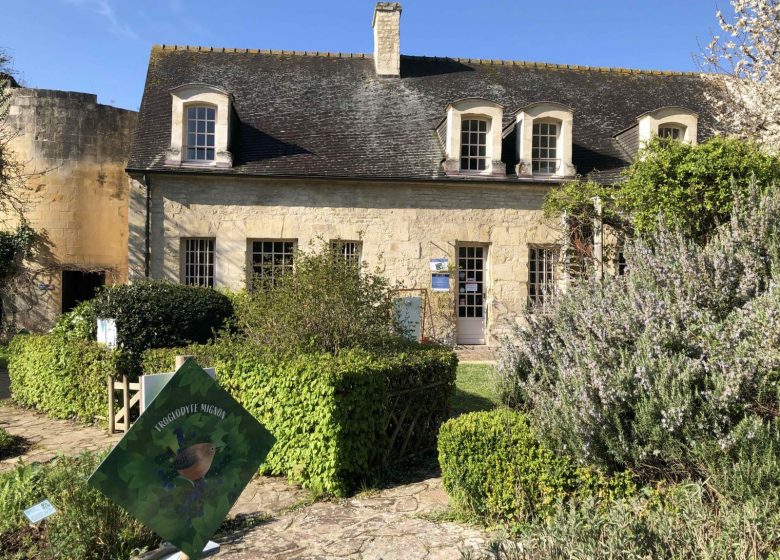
x,y
328,115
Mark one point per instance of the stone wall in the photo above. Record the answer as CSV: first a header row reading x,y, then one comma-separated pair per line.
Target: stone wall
x,y
76,151
402,226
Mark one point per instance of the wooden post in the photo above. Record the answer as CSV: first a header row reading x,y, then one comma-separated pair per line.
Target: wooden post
x,y
126,401
180,361
598,239
563,283
111,418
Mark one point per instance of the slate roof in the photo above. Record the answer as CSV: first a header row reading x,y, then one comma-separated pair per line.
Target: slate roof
x,y
328,115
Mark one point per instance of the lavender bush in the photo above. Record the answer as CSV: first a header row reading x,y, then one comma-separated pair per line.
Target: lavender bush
x,y
670,370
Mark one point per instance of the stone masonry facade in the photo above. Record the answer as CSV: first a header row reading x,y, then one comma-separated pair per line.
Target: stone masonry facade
x,y
402,226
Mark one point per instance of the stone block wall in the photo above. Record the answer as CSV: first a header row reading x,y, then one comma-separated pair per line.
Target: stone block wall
x,y
402,227
75,151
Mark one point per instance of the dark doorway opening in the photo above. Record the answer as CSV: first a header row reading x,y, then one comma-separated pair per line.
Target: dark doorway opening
x,y
78,286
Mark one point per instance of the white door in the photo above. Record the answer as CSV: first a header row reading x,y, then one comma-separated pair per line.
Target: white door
x,y
470,304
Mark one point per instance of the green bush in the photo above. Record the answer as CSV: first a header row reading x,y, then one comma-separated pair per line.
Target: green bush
x,y
328,412
670,368
6,442
669,523
152,314
324,304
86,525
493,467
63,377
693,186
679,186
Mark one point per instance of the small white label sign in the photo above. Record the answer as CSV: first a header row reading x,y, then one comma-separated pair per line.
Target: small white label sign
x,y
40,511
106,332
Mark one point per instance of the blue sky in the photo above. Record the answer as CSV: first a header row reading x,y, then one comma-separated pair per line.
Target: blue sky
x,y
102,46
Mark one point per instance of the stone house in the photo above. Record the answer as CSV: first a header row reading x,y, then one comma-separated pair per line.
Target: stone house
x,y
75,153
404,162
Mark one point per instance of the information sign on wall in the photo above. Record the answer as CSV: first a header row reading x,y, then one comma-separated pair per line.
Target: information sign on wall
x,y
183,464
440,282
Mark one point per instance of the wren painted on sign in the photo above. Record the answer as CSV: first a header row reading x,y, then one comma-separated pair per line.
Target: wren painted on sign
x,y
183,464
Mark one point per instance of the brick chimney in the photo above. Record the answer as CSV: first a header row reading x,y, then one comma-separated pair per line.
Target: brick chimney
x,y
387,39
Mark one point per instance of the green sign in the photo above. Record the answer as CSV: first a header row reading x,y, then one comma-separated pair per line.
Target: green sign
x,y
183,464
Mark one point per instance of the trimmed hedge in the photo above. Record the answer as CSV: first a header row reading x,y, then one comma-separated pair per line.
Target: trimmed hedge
x,y
63,377
327,412
494,468
151,314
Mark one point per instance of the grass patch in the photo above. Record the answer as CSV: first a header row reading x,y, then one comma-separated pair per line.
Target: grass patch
x,y
474,389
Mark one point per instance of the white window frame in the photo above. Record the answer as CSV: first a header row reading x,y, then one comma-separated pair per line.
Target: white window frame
x,y
267,276
542,112
481,144
672,130
543,262
545,165
451,133
186,146
651,123
200,270
195,95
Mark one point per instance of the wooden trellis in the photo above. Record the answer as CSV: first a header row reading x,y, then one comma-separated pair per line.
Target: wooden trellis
x,y
120,420
412,426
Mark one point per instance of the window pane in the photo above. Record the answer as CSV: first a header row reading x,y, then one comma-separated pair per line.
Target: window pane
x,y
201,112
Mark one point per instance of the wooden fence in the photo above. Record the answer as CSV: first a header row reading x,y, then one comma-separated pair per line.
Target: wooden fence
x,y
413,425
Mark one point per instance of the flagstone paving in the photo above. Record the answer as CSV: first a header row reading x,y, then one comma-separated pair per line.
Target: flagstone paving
x,y
390,524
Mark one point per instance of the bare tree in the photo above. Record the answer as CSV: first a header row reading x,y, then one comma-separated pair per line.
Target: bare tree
x,y
744,58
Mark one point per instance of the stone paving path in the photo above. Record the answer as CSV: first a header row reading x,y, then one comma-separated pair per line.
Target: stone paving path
x,y
389,524
48,437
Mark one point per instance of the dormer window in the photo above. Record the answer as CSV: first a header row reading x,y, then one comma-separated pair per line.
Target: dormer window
x,y
677,123
673,132
544,140
473,145
471,137
200,127
544,150
201,123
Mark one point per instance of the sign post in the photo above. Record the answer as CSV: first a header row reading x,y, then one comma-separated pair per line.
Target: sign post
x,y
183,464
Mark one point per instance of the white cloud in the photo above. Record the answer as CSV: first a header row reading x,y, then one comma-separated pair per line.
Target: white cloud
x,y
106,10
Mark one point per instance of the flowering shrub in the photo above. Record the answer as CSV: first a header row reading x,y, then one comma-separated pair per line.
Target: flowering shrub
x,y
670,368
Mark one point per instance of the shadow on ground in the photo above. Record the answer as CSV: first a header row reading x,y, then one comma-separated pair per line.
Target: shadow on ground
x,y
5,385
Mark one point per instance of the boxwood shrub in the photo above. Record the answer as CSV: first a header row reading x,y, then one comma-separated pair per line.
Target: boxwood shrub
x,y
495,469
151,314
63,377
328,412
